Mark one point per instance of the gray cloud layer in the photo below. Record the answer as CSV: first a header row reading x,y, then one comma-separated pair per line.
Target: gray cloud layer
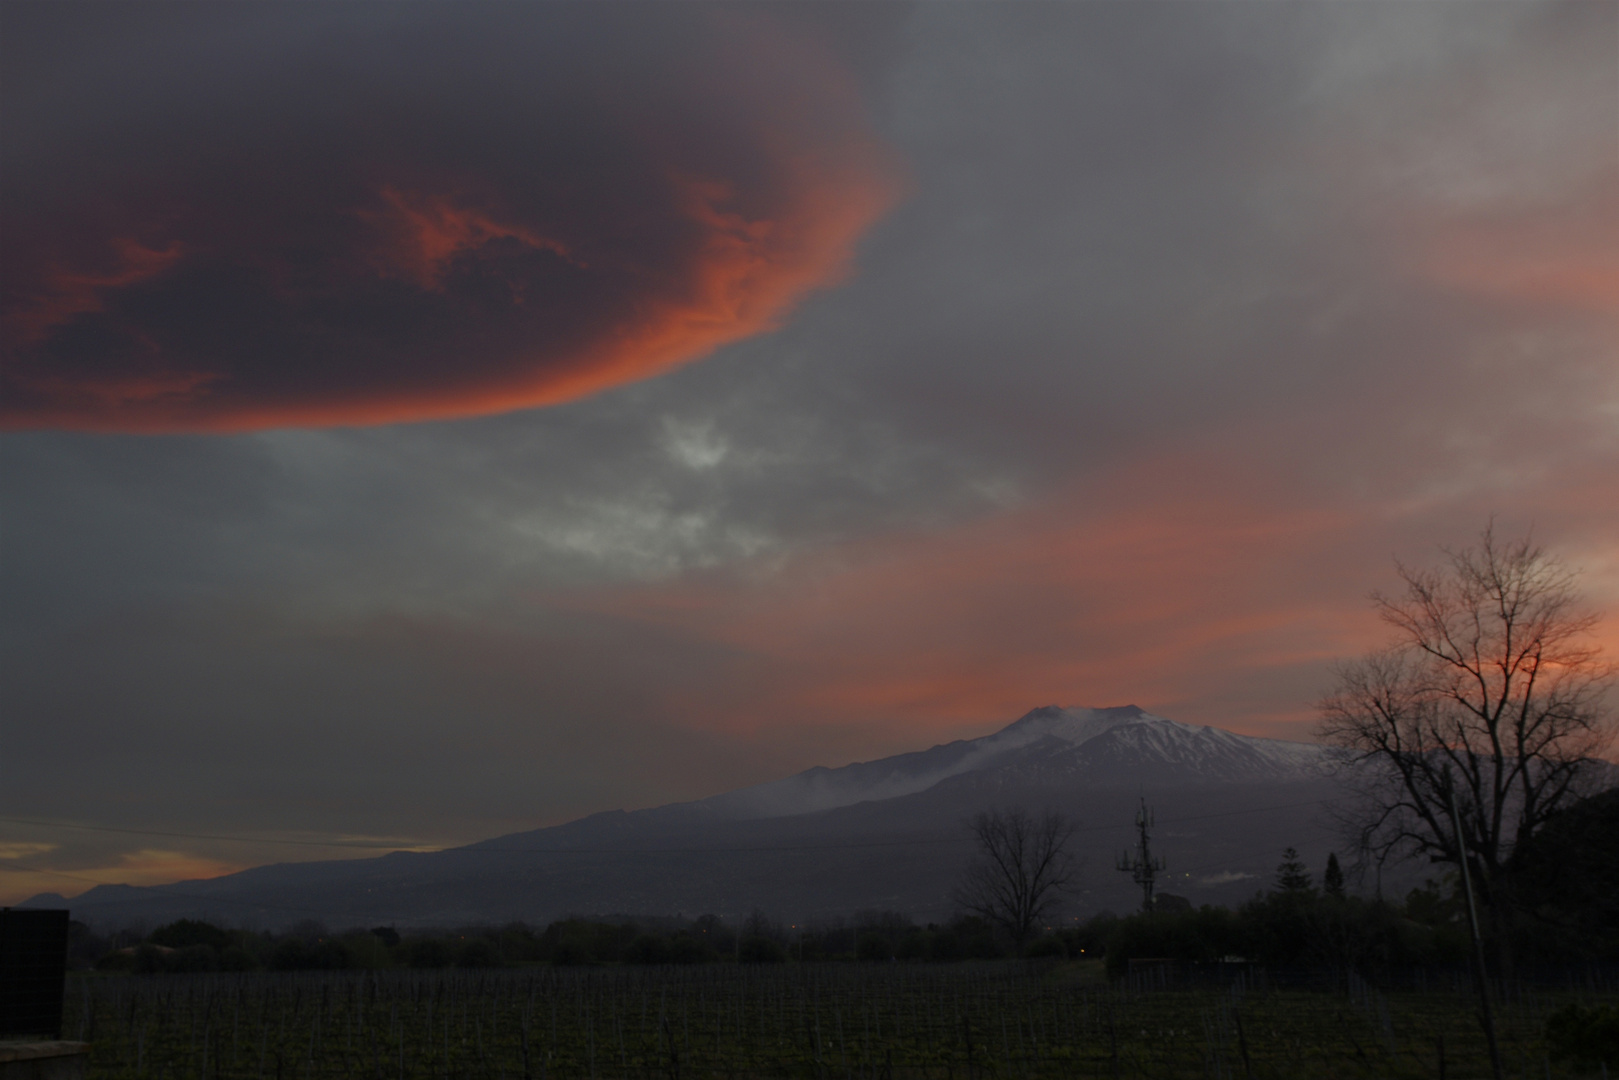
x,y
1280,261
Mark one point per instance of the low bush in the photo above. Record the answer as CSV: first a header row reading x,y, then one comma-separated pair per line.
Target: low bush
x,y
1588,1037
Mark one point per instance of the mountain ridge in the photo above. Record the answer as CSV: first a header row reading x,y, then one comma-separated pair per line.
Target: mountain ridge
x,y
826,788
883,833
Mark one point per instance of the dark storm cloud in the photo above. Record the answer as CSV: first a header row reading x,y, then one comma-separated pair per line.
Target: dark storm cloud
x,y
259,215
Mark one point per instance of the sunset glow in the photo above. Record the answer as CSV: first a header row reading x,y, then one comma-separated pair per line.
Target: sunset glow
x,y
433,421
378,298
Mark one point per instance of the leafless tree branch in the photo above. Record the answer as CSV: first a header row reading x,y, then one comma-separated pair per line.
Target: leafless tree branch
x,y
1492,683
1020,872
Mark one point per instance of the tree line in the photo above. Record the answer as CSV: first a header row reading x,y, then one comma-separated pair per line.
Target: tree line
x,y
1297,921
191,945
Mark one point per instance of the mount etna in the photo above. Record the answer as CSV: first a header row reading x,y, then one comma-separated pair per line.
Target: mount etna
x,y
888,834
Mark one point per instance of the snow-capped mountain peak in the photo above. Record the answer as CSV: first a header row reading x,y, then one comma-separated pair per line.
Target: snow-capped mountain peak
x,y
1122,744
1071,725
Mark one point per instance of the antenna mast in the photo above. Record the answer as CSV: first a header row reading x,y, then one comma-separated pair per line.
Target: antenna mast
x,y
1142,866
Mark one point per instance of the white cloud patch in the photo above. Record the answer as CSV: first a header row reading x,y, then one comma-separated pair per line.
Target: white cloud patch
x,y
697,446
1224,877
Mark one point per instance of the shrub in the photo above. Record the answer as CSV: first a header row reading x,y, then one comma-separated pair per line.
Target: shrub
x,y
1588,1037
427,953
1203,935
151,959
873,946
579,941
519,944
1047,947
321,954
188,932
367,950
913,946
193,958
117,960
570,953
685,949
478,953
967,938
761,950
646,949
236,958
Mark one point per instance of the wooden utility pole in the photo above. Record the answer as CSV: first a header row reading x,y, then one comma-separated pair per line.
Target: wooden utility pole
x,y
1481,978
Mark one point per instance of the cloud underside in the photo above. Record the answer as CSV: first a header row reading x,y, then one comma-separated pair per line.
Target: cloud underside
x,y
411,237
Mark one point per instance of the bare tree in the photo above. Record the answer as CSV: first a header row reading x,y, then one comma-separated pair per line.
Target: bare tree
x,y
1492,687
1021,869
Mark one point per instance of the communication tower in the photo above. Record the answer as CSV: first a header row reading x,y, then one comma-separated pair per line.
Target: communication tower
x,y
1142,866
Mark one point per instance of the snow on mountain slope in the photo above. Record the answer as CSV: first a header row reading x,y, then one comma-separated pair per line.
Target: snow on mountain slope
x,y
1156,752
1207,752
1098,745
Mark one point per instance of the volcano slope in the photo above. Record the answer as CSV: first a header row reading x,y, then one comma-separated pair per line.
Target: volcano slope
x,y
887,834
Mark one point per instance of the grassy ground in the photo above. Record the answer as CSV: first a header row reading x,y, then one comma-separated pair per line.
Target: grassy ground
x,y
822,1022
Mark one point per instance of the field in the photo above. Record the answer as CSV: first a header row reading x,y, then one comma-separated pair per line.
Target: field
x,y
816,1021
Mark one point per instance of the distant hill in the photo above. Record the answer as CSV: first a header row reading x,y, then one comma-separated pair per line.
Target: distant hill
x,y
828,841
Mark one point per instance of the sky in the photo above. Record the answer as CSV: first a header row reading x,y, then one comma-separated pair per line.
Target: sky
x,y
425,422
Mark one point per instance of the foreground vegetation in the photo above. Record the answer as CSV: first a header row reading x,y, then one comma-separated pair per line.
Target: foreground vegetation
x,y
1299,982
820,1021
1295,924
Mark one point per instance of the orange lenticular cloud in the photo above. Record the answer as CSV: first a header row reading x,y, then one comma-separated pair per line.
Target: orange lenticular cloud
x,y
433,231
597,228
63,294
748,276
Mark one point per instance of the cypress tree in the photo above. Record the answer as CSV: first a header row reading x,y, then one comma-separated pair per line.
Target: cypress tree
x,y
1333,879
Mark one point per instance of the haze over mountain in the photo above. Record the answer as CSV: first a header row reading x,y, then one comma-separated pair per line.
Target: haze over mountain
x,y
827,841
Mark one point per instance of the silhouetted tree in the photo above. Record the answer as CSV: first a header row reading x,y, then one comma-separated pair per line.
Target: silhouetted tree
x,y
763,940
1566,878
1332,879
1292,876
1492,689
189,932
1020,872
